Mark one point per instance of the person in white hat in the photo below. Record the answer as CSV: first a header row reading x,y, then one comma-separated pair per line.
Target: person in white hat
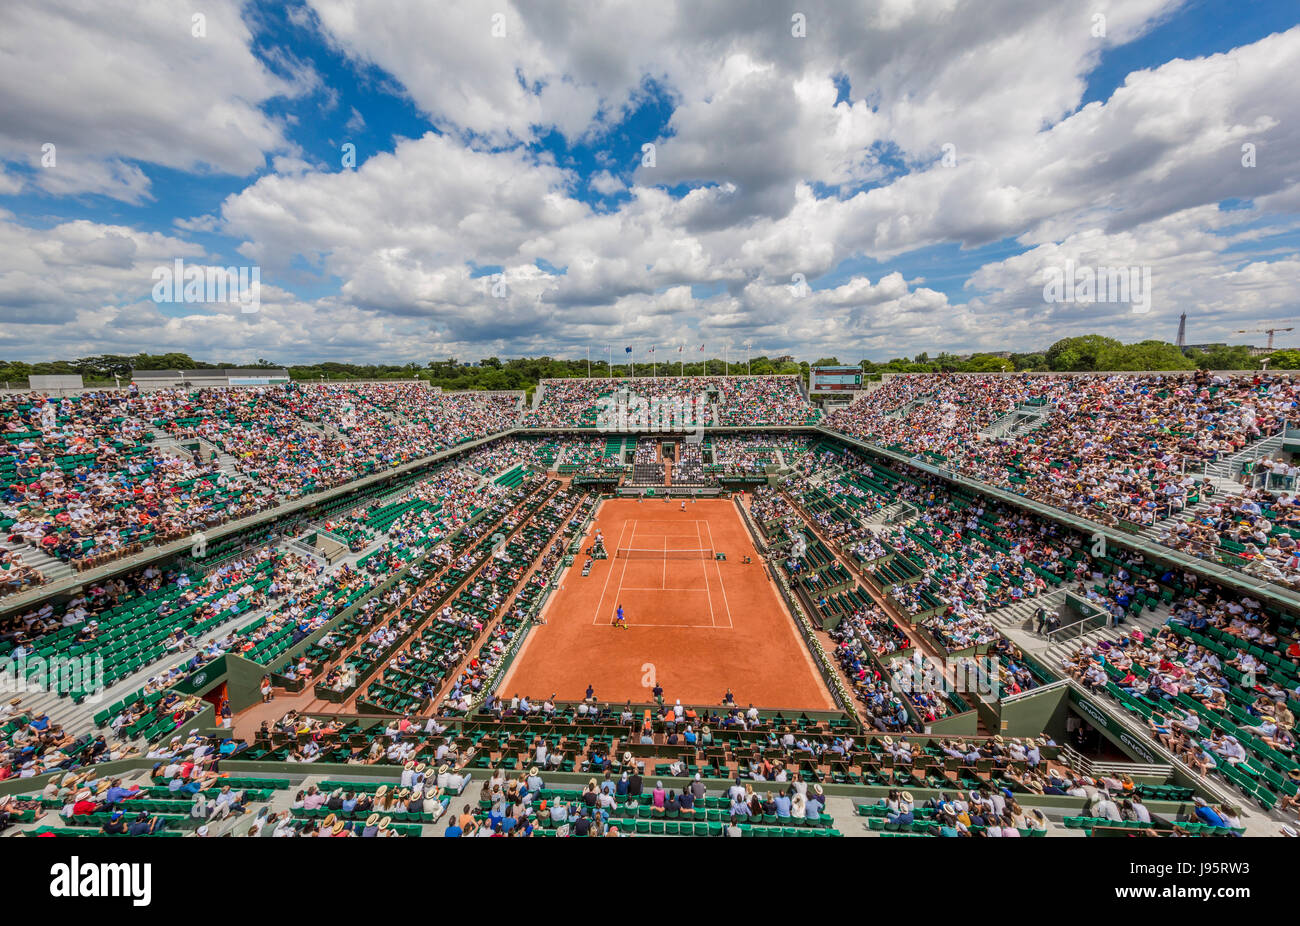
x,y
818,795
451,781
905,814
815,802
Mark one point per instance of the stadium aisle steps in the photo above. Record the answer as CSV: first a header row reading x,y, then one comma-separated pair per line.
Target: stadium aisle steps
x,y
1160,529
78,719
52,569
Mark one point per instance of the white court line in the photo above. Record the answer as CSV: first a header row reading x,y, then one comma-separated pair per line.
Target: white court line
x,y
668,521
722,584
628,588
686,626
618,595
604,588
663,579
700,540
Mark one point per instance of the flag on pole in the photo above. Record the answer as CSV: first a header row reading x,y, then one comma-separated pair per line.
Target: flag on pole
x,y
627,350
701,348
679,348
652,348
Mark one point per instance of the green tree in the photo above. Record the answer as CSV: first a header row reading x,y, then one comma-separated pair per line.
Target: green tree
x,y
1034,362
1285,360
1081,354
1234,357
1146,355
987,363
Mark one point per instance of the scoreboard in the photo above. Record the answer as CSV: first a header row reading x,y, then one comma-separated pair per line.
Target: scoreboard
x,y
824,379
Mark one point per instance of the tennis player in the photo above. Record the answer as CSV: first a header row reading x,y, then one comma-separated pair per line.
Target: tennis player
x,y
620,620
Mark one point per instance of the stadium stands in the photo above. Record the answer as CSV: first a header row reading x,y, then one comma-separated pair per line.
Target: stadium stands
x,y
390,654
1137,449
92,477
736,401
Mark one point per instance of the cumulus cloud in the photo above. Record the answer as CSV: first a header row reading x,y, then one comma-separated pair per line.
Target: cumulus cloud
x,y
782,158
111,82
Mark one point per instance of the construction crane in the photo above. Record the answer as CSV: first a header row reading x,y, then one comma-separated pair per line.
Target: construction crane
x,y
1268,331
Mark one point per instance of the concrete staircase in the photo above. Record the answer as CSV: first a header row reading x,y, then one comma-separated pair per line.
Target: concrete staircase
x,y
48,566
329,546
78,719
887,515
1224,488
1020,614
298,548
1229,467
826,475
1020,420
225,462
208,451
904,410
1016,622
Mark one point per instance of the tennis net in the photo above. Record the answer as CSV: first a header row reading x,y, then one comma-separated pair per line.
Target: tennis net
x,y
660,553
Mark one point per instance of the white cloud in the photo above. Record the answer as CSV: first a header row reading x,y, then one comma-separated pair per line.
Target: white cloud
x,y
782,180
605,183
114,81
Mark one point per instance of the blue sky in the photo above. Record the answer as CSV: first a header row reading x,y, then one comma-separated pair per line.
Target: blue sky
x,y
479,155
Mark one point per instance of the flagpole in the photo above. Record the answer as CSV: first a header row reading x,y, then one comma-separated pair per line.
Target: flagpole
x,y
588,361
609,361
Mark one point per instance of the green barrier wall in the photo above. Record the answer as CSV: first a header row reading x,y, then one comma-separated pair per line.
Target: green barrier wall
x,y
1036,712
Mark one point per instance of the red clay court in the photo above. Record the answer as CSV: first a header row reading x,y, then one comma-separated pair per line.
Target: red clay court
x,y
696,625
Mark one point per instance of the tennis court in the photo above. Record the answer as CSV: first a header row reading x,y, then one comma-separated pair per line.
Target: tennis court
x,y
664,564
695,624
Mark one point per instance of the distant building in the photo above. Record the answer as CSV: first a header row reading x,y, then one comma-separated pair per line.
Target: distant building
x,y
55,385
197,379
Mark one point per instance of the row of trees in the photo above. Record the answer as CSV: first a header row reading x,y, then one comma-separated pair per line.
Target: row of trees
x,y
451,374
1092,353
1087,353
